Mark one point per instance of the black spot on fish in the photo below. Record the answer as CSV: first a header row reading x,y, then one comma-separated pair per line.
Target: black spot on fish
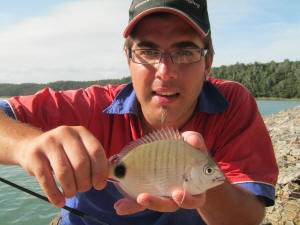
x,y
120,171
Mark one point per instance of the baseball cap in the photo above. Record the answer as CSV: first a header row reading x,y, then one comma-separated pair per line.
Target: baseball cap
x,y
194,12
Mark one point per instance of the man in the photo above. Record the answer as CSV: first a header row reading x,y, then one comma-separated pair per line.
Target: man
x,y
71,133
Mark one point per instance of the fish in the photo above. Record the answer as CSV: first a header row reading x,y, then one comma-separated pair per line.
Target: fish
x,y
161,162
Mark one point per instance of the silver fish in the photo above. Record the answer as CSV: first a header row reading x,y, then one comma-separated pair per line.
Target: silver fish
x,y
160,162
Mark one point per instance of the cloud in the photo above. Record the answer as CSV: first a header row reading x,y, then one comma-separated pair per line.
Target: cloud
x,y
254,31
5,20
285,46
271,44
75,41
83,40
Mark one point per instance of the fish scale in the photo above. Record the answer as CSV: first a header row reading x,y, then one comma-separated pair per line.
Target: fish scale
x,y
161,162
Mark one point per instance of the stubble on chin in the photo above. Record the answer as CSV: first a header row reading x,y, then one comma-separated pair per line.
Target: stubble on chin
x,y
164,116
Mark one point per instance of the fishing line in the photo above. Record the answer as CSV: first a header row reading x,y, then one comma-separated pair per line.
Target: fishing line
x,y
71,210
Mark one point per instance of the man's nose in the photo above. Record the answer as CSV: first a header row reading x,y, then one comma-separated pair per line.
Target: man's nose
x,y
166,69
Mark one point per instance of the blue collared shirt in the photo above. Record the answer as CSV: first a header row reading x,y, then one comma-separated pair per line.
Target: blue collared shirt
x,y
211,101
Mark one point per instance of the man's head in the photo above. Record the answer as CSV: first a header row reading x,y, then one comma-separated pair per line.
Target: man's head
x,y
166,57
194,12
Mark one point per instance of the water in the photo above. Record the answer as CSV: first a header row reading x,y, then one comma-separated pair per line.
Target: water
x,y
267,107
19,208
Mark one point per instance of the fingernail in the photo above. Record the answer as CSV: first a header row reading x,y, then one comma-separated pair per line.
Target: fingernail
x,y
142,200
120,208
60,203
100,186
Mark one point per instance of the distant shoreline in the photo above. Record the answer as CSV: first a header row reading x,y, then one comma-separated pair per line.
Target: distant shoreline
x,y
276,99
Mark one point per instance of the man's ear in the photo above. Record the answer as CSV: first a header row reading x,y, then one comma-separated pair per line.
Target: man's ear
x,y
126,54
208,64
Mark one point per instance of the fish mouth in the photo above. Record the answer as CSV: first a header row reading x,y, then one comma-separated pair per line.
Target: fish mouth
x,y
218,179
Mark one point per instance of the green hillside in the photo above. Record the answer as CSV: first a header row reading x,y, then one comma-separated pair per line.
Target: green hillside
x,y
276,80
279,80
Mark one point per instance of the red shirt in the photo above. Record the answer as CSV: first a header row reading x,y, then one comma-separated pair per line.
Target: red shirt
x,y
227,116
237,137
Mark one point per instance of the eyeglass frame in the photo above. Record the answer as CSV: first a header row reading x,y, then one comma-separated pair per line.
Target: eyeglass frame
x,y
203,52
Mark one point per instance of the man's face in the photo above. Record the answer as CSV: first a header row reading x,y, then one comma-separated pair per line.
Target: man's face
x,y
167,92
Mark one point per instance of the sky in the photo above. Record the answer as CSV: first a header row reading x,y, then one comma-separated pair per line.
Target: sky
x,y
51,40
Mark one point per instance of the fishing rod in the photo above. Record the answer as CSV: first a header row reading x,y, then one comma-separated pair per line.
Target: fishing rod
x,y
71,210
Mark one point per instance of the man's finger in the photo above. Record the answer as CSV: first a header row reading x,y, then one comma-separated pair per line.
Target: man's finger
x,y
127,206
195,139
188,201
62,169
79,160
46,180
157,203
98,161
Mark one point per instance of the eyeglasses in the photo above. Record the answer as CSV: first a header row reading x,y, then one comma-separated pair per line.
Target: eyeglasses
x,y
178,56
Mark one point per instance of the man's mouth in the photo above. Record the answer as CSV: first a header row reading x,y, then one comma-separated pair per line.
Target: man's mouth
x,y
165,97
166,94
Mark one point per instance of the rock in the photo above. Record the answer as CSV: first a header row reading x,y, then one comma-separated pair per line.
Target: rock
x,y
284,129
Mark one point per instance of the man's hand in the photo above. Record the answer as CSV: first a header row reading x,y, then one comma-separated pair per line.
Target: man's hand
x,y
179,198
71,154
146,201
224,204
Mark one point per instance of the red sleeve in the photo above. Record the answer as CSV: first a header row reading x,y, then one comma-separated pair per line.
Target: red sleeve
x,y
244,151
48,109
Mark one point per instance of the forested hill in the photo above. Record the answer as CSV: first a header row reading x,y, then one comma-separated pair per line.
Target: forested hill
x,y
278,80
31,88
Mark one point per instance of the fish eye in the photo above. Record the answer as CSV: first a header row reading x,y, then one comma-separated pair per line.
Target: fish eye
x,y
120,171
208,170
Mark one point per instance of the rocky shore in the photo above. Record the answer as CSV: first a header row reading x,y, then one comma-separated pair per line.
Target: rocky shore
x,y
284,129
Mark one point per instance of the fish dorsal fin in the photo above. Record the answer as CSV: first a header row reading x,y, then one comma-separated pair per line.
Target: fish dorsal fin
x,y
163,134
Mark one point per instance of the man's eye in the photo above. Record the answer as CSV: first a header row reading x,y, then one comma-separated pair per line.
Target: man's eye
x,y
149,52
183,52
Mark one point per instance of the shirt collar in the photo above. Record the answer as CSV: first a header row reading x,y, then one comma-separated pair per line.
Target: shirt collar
x,y
211,101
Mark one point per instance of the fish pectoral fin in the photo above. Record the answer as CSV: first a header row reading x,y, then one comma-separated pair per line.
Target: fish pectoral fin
x,y
189,183
187,174
186,180
183,197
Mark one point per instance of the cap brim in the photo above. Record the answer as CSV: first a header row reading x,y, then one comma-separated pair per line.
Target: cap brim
x,y
182,15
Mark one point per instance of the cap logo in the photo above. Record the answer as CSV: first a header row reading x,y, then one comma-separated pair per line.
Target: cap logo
x,y
142,3
193,3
